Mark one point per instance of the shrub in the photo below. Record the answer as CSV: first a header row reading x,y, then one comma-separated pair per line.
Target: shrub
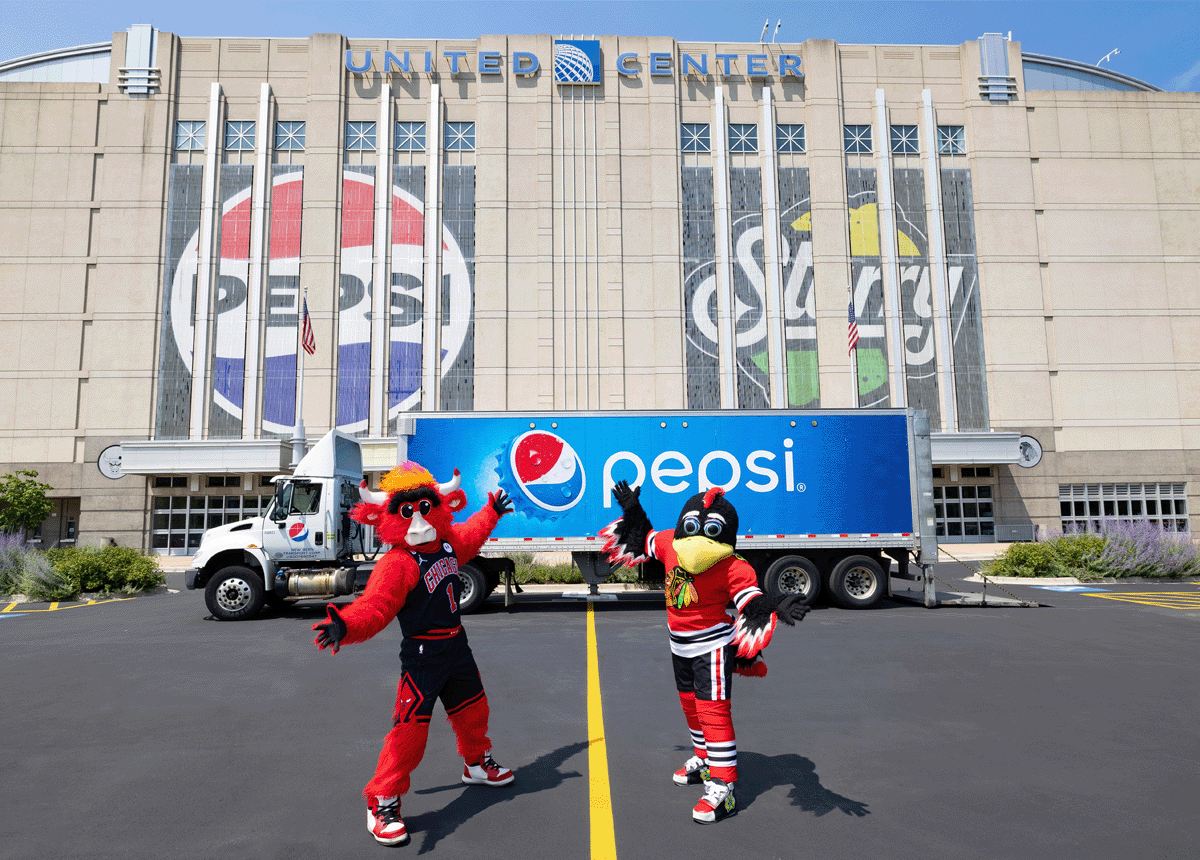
x,y
1144,549
1026,559
105,570
40,581
1077,554
13,549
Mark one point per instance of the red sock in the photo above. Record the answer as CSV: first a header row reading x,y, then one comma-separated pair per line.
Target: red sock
x,y
688,700
717,720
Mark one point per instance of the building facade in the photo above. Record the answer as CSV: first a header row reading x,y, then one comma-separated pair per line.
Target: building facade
x,y
607,223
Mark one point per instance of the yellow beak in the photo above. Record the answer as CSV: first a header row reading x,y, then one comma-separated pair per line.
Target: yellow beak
x,y
697,554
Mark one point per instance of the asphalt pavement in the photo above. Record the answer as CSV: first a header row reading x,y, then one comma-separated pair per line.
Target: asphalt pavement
x,y
143,729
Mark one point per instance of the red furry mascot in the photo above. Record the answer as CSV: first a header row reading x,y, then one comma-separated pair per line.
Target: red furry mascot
x,y
417,583
704,576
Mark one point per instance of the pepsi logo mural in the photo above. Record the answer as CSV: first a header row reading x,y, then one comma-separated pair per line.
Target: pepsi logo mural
x,y
545,474
298,532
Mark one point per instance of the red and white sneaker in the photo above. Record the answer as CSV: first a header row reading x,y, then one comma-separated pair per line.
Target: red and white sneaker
x,y
384,822
693,772
718,802
487,772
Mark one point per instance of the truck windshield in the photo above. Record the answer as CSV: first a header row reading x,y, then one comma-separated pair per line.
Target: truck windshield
x,y
293,498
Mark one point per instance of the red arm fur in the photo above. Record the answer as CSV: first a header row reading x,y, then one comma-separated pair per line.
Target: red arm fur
x,y
391,581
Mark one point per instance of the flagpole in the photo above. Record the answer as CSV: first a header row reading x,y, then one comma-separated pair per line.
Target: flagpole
x,y
853,352
299,443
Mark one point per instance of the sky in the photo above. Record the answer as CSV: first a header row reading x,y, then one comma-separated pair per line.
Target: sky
x,y
1157,41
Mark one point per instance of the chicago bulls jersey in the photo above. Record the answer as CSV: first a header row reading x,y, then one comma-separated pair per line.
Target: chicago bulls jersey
x,y
432,605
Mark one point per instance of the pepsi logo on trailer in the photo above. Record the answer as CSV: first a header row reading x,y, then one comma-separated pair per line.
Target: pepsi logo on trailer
x,y
548,473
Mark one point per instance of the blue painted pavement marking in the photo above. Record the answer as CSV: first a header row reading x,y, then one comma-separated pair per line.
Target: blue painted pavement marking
x,y
11,614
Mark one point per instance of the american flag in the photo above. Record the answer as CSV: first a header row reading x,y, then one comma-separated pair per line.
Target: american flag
x,y
307,339
852,330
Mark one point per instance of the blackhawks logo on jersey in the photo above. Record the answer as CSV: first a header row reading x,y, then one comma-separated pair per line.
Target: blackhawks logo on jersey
x,y
681,589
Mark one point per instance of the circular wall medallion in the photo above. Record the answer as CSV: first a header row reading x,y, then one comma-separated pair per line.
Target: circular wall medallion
x,y
1031,452
110,462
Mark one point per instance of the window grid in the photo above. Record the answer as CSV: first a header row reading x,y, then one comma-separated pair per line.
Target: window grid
x,y
239,135
951,140
693,137
1086,507
789,138
178,522
189,135
964,510
856,139
743,137
360,136
410,136
460,136
289,135
904,140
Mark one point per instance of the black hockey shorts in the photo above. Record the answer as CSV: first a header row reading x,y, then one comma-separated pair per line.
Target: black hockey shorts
x,y
709,676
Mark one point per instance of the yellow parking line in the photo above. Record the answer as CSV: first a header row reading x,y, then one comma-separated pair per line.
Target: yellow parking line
x,y
604,843
1162,599
55,605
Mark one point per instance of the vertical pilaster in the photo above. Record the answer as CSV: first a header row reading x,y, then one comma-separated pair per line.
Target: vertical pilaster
x,y
727,366
204,273
777,365
937,266
430,365
381,281
251,400
888,255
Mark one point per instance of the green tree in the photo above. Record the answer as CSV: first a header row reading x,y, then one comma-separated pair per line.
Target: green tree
x,y
23,502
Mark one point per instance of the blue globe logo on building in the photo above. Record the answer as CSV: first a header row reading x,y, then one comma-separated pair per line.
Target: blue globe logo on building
x,y
577,61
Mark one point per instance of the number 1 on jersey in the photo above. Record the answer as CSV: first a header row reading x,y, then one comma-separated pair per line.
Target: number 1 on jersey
x,y
450,595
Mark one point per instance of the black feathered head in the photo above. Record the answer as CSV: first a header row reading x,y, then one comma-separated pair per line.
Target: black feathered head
x,y
706,532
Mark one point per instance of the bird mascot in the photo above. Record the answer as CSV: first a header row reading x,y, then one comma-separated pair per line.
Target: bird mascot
x,y
704,575
417,583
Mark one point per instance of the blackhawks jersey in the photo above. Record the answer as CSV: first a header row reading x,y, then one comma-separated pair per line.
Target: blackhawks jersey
x,y
697,615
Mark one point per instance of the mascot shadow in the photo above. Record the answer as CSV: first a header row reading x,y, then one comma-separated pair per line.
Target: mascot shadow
x,y
758,774
542,774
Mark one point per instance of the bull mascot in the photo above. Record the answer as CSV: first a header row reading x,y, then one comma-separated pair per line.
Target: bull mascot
x,y
417,583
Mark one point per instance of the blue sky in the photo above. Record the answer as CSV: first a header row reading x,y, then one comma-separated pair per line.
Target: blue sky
x,y
1158,41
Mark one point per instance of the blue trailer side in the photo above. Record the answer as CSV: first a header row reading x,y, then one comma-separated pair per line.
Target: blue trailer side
x,y
825,498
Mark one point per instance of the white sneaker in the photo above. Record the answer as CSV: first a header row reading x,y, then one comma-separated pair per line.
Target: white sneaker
x,y
487,772
693,772
384,822
718,802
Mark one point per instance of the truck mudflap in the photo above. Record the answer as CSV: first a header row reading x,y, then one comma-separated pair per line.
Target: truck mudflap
x,y
189,577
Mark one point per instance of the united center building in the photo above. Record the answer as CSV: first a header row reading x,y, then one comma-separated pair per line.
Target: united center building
x,y
531,223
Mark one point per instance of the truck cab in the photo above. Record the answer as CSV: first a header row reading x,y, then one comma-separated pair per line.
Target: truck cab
x,y
303,547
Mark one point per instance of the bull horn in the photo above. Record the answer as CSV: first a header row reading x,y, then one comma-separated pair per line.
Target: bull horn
x,y
370,497
448,488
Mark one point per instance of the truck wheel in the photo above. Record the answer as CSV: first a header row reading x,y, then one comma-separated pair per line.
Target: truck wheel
x,y
474,588
856,582
793,574
234,594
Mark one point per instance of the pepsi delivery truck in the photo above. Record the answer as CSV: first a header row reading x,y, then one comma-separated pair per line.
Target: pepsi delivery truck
x,y
826,499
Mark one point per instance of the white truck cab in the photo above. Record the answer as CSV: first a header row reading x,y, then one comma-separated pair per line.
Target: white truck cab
x,y
303,547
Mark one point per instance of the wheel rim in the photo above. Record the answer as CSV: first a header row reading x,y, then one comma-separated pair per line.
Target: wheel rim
x,y
233,595
861,583
468,590
794,580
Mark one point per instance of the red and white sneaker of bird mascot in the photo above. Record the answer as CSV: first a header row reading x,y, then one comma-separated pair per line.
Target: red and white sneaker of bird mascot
x,y
704,576
417,583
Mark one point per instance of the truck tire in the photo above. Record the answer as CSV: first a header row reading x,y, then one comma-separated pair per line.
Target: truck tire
x,y
793,574
474,588
235,593
856,582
